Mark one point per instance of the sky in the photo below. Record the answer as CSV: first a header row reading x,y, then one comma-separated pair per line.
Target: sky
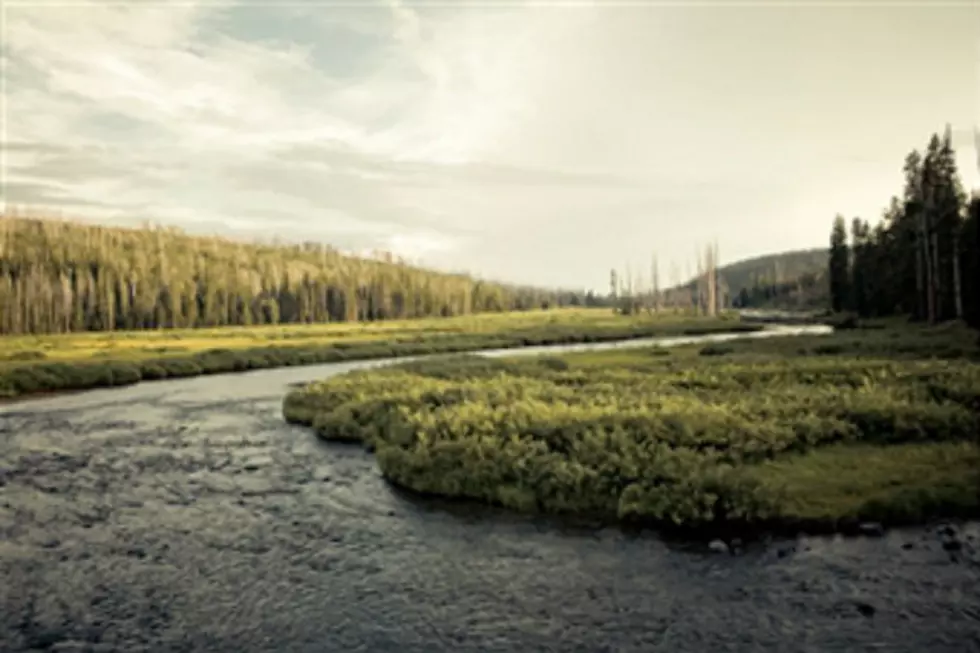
x,y
540,143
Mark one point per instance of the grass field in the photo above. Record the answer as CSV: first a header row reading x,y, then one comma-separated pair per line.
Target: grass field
x,y
792,432
32,364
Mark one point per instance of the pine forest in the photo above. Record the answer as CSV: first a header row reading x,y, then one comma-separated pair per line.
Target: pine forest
x,y
59,276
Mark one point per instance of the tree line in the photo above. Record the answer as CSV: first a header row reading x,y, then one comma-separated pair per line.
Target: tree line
x,y
60,276
923,258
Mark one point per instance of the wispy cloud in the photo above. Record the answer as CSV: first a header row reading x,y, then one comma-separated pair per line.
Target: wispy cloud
x,y
193,110
519,140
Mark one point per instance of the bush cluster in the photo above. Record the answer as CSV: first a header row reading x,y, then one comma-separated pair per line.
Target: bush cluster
x,y
690,439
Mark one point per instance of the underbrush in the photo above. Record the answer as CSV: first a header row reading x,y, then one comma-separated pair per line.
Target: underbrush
x,y
125,358
764,432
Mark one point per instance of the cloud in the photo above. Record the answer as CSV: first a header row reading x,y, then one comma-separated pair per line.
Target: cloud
x,y
202,114
532,142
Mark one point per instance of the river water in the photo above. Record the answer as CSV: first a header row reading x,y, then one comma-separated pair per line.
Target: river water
x,y
186,515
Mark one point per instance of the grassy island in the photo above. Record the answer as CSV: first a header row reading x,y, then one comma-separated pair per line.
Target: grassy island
x,y
819,433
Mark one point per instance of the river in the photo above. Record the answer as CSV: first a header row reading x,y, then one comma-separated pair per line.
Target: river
x,y
186,515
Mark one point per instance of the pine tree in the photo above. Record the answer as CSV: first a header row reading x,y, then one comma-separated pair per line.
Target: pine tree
x,y
969,243
921,259
839,266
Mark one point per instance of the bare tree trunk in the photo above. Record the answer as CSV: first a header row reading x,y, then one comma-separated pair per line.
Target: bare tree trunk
x,y
710,281
705,284
629,290
919,283
937,302
675,282
715,295
640,301
708,295
699,284
623,295
718,286
614,290
655,280
957,285
926,259
706,302
4,229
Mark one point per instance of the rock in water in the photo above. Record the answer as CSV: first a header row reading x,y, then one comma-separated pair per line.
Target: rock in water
x,y
866,609
717,546
872,529
952,544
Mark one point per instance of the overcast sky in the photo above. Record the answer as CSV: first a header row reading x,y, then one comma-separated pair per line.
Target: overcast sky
x,y
541,144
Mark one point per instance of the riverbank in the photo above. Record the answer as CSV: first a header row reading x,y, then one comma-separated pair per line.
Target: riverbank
x,y
57,363
817,433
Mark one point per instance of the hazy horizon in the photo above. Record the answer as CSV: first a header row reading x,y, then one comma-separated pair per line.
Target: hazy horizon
x,y
532,144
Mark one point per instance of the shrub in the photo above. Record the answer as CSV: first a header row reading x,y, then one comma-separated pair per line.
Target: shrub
x,y
683,440
716,350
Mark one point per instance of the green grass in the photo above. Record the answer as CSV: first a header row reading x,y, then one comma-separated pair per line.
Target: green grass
x,y
35,364
813,432
904,483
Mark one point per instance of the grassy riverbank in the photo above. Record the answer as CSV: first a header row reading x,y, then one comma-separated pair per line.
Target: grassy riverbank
x,y
793,432
36,364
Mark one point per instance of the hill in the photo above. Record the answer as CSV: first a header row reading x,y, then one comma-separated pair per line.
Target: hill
x,y
778,268
794,279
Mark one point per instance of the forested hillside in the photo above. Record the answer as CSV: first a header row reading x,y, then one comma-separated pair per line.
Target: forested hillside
x,y
58,276
774,268
794,279
923,258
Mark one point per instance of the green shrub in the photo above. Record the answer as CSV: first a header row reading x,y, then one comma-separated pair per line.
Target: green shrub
x,y
686,440
716,350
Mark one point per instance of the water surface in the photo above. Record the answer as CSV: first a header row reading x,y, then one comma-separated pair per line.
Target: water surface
x,y
186,515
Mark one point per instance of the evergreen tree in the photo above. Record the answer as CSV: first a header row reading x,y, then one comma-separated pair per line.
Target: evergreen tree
x,y
922,258
839,266
969,243
861,281
950,202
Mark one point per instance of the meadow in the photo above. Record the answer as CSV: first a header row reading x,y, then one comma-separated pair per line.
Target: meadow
x,y
812,432
58,362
